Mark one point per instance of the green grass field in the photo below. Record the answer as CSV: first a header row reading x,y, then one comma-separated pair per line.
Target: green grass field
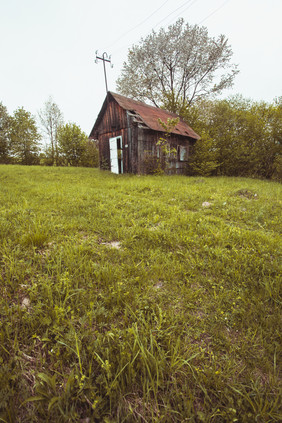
x,y
126,299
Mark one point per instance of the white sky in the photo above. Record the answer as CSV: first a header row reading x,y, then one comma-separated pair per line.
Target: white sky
x,y
47,47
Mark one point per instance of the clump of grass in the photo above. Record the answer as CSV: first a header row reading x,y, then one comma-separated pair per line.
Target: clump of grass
x,y
123,299
36,236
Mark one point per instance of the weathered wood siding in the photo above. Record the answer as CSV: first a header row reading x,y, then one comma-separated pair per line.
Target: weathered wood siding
x,y
137,141
113,124
147,144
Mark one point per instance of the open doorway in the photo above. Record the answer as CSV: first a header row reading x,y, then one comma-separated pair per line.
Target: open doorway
x,y
116,154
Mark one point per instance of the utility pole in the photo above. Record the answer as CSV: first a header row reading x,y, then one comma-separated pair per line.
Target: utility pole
x,y
104,58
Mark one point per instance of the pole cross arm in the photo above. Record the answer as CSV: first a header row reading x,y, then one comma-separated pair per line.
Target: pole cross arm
x,y
104,58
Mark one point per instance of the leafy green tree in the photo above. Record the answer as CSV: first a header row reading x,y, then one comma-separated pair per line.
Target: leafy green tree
x,y
163,142
5,124
24,138
176,67
276,132
72,143
246,136
204,157
165,148
51,119
90,157
156,161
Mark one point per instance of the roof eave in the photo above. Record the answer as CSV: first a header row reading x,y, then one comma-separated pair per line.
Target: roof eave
x,y
94,131
119,99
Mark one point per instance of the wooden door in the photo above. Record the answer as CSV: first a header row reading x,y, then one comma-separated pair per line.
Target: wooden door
x,y
116,155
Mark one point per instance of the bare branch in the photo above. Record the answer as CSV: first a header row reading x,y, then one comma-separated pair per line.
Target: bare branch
x,y
181,62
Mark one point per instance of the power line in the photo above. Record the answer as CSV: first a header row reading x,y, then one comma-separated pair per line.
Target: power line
x,y
145,20
136,26
184,4
171,13
190,5
212,13
175,10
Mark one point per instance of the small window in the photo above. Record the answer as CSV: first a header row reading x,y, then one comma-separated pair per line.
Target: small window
x,y
183,153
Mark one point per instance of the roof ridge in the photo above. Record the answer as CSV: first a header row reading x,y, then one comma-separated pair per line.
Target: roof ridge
x,y
143,104
150,115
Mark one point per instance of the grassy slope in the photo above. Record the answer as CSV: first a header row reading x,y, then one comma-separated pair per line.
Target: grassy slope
x,y
181,321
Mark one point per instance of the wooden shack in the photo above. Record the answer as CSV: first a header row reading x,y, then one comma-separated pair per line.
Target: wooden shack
x,y
128,132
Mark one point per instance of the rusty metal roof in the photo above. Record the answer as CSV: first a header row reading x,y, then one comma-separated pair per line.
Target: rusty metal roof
x,y
146,115
151,114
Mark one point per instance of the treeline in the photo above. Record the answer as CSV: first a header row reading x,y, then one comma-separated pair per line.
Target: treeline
x,y
239,137
51,143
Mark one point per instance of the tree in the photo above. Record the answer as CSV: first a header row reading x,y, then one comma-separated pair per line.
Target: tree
x,y
24,138
238,137
166,150
204,158
5,124
277,136
90,157
158,159
72,144
51,119
178,66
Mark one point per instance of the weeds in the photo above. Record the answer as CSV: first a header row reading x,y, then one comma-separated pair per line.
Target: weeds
x,y
123,299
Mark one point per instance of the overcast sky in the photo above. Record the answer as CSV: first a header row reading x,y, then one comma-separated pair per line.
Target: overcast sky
x,y
47,47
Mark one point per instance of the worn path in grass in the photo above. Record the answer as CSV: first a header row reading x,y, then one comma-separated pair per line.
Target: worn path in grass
x,y
127,298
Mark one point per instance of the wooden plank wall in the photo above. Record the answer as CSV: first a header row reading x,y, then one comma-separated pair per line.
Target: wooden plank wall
x,y
113,124
117,122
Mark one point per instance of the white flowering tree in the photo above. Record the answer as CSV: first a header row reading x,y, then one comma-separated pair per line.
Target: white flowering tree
x,y
174,67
